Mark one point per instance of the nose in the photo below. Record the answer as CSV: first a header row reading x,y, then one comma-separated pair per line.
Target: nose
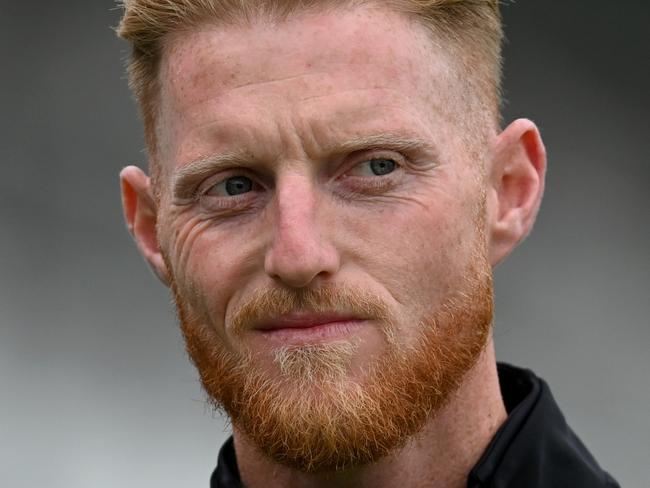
x,y
300,251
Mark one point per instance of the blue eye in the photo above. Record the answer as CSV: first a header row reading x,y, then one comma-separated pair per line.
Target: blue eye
x,y
374,167
237,185
381,167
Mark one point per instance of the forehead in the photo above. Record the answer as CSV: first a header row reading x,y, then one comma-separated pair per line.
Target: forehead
x,y
340,63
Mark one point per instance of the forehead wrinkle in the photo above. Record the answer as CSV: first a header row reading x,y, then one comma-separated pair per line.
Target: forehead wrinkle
x,y
276,80
420,66
214,82
394,104
201,47
341,92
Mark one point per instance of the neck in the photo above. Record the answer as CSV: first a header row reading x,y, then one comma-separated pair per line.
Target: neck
x,y
440,456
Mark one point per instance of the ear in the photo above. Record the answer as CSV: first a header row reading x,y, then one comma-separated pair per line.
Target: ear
x,y
516,186
140,213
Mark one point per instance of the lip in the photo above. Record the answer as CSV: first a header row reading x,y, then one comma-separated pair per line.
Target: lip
x,y
306,320
297,328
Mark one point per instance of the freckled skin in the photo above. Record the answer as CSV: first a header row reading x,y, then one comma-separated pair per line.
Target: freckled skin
x,y
284,99
284,95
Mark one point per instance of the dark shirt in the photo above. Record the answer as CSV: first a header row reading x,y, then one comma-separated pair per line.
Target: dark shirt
x,y
534,448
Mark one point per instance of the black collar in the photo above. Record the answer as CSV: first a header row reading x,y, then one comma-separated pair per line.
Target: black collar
x,y
534,448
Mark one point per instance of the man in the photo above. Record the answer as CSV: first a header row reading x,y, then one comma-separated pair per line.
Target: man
x,y
330,190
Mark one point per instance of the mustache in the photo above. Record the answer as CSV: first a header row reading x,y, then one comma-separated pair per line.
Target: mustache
x,y
274,302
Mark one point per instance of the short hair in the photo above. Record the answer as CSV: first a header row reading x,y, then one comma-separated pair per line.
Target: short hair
x,y
473,26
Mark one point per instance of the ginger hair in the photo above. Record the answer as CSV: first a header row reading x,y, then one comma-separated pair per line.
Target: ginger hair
x,y
471,27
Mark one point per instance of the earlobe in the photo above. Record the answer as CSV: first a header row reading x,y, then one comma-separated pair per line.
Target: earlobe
x,y
140,214
516,186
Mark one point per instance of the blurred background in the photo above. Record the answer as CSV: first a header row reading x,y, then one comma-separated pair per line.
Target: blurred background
x,y
96,390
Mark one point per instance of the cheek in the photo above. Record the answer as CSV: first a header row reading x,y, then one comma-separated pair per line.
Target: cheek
x,y
414,251
210,267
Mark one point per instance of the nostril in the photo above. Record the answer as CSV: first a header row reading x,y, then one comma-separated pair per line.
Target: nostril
x,y
299,266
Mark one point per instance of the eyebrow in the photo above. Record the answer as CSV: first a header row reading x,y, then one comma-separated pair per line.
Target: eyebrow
x,y
388,140
187,177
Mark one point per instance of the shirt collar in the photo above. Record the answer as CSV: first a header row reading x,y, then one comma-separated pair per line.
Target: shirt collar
x,y
534,447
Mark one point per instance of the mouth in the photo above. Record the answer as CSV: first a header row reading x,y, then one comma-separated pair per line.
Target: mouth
x,y
296,328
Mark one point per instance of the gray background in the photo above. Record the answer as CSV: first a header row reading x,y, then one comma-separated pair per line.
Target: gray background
x,y
95,387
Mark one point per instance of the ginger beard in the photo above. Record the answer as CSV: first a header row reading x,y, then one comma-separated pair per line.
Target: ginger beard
x,y
309,414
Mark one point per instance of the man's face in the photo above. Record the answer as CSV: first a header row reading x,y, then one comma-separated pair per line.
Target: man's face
x,y
321,217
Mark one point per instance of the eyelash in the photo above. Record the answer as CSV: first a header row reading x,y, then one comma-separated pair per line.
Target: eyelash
x,y
377,183
232,203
